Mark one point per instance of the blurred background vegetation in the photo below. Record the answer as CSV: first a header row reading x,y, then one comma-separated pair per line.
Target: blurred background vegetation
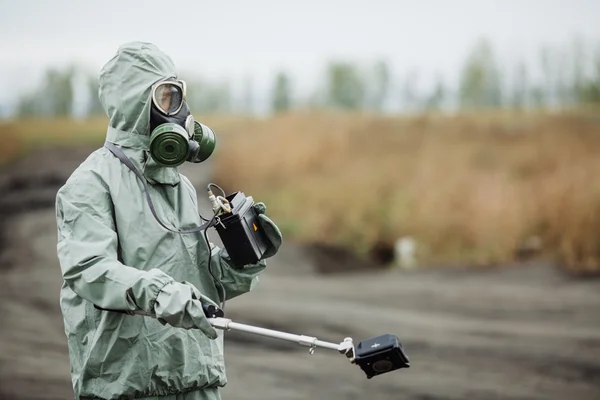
x,y
559,77
497,168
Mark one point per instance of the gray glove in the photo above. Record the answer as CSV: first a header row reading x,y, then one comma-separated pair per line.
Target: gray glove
x,y
180,304
271,230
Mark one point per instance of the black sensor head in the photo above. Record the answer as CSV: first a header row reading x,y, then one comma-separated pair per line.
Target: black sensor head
x,y
380,354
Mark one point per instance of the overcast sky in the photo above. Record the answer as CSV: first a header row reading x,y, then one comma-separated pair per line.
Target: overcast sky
x,y
235,38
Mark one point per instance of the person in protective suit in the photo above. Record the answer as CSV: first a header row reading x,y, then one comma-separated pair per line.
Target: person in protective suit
x,y
115,256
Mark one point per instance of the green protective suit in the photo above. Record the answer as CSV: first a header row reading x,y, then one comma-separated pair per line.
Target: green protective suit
x,y
115,255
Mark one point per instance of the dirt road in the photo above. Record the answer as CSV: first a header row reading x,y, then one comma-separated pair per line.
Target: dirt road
x,y
519,332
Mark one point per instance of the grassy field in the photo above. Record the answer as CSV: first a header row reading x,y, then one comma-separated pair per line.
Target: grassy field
x,y
478,189
474,189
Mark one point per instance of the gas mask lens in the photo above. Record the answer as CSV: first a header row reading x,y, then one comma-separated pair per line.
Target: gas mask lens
x,y
168,97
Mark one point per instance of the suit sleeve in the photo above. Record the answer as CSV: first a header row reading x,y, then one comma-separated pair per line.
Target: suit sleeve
x,y
88,250
235,281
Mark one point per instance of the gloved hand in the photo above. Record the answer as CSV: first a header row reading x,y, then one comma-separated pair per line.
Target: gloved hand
x,y
271,230
180,304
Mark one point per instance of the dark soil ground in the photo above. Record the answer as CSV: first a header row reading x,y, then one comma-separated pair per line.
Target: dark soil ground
x,y
526,331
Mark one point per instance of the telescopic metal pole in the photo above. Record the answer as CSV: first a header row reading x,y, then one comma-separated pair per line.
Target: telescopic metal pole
x,y
346,347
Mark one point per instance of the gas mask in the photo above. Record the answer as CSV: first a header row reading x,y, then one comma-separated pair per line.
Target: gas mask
x,y
175,136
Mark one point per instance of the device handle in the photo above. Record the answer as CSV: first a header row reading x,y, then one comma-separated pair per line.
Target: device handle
x,y
210,311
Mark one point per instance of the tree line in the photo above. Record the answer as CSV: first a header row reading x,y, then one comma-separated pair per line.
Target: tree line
x,y
558,78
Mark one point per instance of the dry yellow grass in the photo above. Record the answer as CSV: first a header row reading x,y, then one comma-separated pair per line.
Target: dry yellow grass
x,y
469,188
